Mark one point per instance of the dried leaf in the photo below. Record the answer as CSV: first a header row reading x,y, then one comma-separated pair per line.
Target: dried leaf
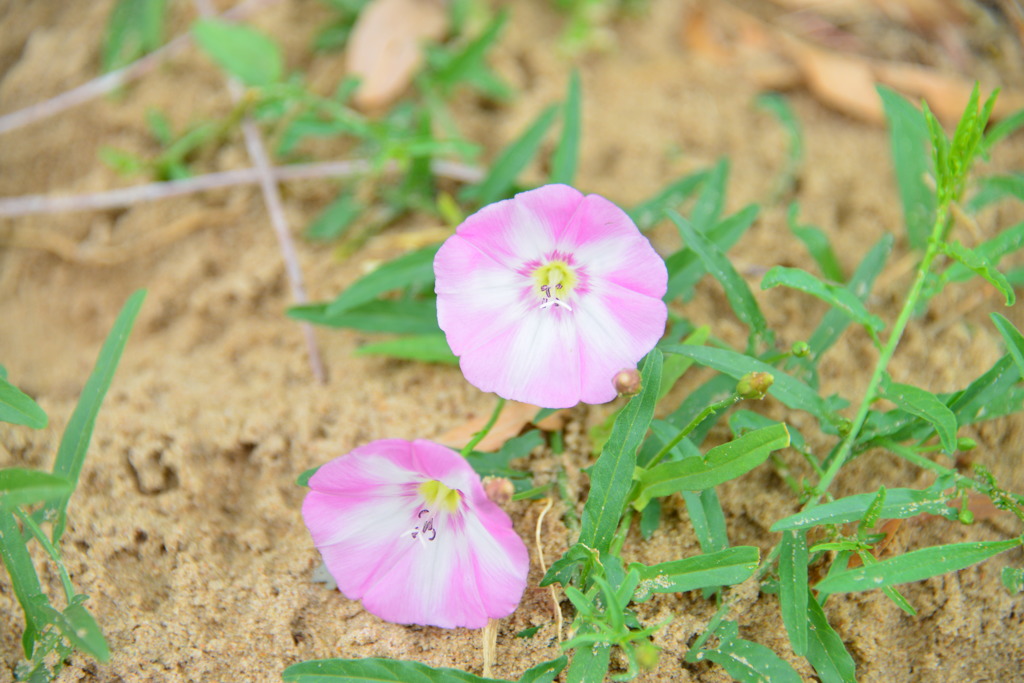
x,y
514,417
385,48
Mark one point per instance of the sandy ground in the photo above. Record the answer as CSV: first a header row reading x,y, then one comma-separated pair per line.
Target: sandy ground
x,y
185,530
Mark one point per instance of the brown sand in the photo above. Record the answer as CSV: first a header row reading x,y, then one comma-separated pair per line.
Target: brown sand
x,y
185,530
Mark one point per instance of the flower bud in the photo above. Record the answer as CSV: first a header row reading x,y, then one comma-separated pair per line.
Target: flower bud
x,y
801,349
627,382
498,489
754,385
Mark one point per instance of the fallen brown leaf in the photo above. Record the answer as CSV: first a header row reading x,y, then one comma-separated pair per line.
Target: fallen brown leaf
x,y
514,417
386,46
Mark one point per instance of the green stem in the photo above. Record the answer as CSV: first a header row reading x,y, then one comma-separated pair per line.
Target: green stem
x,y
694,423
51,550
620,536
843,454
479,436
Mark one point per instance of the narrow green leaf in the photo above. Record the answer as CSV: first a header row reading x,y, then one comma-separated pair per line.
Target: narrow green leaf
x,y
914,566
817,245
835,322
711,202
24,580
648,213
736,290
1006,242
610,475
979,264
415,269
786,388
336,218
899,504
925,405
544,672
18,408
839,298
502,176
724,568
780,107
995,188
1013,338
685,268
1003,128
75,442
825,649
242,51
468,64
19,486
418,317
908,134
566,155
135,28
427,348
375,670
78,626
793,556
749,662
720,464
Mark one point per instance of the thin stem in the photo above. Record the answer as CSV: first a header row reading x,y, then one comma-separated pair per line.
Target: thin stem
x,y
126,196
694,423
51,550
479,436
843,454
623,531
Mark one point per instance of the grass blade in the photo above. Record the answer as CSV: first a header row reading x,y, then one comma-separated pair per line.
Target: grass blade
x,y
415,269
24,580
908,133
817,245
566,156
1013,338
427,348
500,179
724,568
793,592
242,51
20,486
839,298
75,442
374,669
825,649
899,504
924,405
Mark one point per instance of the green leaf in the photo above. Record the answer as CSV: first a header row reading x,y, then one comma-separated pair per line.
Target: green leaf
x,y
825,649
336,218
914,566
415,269
611,474
24,580
469,65
786,388
685,268
418,317
75,442
724,568
498,182
736,290
376,670
908,133
1013,579
838,298
242,51
995,188
19,486
834,322
711,201
779,106
303,479
1013,338
78,626
589,664
746,661
648,213
135,28
793,556
817,245
566,156
979,264
720,464
899,504
544,672
427,348
925,405
18,408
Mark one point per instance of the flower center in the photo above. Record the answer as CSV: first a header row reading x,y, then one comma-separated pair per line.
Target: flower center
x,y
554,281
436,497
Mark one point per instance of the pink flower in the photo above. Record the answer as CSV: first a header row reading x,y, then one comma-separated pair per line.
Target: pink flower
x,y
407,528
546,296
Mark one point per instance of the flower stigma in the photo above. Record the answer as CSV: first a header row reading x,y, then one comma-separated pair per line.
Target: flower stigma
x,y
555,281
